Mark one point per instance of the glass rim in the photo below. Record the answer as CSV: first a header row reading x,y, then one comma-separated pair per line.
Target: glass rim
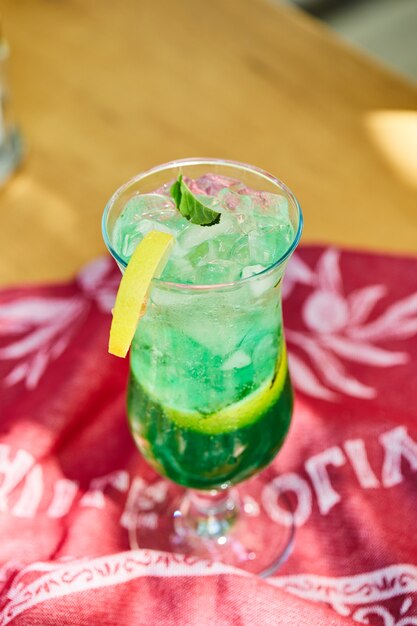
x,y
205,161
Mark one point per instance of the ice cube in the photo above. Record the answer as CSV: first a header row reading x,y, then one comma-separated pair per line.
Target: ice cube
x,y
223,246
260,285
272,204
141,214
231,201
147,205
194,234
221,333
239,207
178,270
145,226
219,248
200,254
263,245
211,184
251,270
240,252
217,271
237,360
266,350
129,239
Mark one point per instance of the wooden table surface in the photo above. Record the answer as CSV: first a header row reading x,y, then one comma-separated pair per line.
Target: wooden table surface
x,y
105,89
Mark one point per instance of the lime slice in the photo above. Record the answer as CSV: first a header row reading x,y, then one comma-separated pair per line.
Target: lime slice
x,y
239,414
147,261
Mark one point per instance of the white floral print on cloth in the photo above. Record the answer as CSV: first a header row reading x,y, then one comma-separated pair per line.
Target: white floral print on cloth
x,y
40,328
338,331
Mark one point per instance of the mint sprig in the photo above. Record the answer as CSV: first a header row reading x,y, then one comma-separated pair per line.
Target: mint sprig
x,y
190,207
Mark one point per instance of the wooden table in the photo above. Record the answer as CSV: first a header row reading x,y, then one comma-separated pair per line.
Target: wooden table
x,y
105,89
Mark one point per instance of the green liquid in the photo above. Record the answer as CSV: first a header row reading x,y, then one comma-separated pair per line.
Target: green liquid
x,y
207,460
209,399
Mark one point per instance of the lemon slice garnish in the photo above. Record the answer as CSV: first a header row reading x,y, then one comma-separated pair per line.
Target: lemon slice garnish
x,y
239,414
147,262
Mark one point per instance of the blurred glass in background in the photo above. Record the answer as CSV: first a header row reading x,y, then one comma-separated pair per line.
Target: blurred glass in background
x,y
11,147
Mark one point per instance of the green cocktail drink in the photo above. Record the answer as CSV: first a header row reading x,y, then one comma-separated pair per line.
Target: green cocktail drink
x,y
204,451
209,397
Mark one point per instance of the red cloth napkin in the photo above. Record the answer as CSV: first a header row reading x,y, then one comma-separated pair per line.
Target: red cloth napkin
x,y
72,482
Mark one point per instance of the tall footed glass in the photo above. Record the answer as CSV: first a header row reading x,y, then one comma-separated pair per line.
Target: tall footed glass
x,y
209,396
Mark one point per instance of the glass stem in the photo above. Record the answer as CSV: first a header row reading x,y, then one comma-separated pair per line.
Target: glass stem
x,y
206,514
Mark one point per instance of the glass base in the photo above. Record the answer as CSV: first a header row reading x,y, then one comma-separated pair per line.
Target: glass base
x,y
227,526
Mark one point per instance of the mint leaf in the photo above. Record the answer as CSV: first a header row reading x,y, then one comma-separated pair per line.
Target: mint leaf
x,y
175,191
190,207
